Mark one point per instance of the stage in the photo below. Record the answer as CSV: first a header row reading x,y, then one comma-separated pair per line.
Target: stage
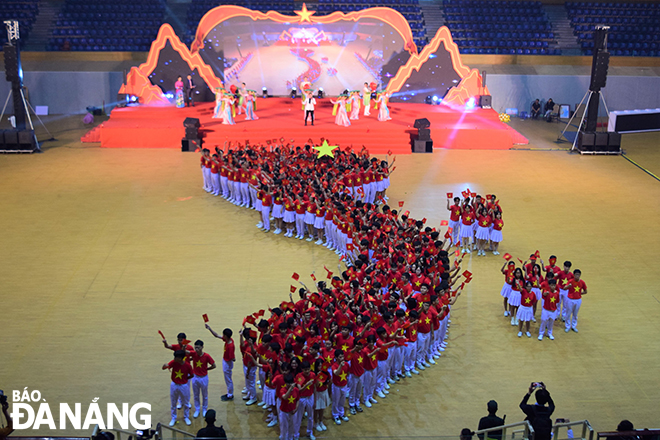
x,y
455,128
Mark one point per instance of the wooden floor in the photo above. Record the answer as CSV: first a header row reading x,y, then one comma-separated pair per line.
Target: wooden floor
x,y
102,248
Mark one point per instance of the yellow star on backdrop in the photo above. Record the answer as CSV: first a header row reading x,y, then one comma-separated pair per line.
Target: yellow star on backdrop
x,y
325,149
305,14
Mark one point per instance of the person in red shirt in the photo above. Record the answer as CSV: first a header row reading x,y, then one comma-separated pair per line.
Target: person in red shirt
x,y
454,218
424,336
266,203
369,363
525,312
206,169
201,363
339,387
181,345
507,270
182,372
411,334
228,359
496,232
576,289
550,309
215,177
249,367
467,232
321,396
564,278
355,377
289,396
484,221
305,382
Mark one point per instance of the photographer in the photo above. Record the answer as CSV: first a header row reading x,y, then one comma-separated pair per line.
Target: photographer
x,y
4,432
539,415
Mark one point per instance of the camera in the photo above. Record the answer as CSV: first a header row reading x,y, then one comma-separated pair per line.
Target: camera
x,y
3,398
146,434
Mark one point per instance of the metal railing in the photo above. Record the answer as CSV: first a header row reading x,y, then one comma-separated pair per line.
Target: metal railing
x,y
522,427
160,427
587,430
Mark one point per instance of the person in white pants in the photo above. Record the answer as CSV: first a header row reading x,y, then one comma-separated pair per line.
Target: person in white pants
x,y
576,289
305,382
202,364
179,388
550,310
228,359
339,387
289,397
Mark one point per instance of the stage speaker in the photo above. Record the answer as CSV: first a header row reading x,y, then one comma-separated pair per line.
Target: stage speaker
x,y
614,141
18,140
192,128
601,141
423,146
586,141
191,122
190,144
599,75
422,123
11,139
11,62
485,101
424,134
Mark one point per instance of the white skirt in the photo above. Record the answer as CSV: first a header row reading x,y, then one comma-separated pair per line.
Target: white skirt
x,y
319,222
538,293
525,313
309,218
466,231
278,211
506,290
547,314
269,397
258,205
387,182
321,399
482,233
380,186
495,236
514,298
289,216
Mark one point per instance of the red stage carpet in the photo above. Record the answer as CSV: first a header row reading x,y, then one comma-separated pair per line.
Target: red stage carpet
x,y
162,127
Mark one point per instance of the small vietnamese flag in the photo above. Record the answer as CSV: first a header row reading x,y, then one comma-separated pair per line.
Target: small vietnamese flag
x,y
407,213
295,276
507,256
293,289
450,195
401,204
458,252
205,317
444,223
313,277
424,220
389,152
467,274
349,246
537,254
260,313
521,261
465,194
161,334
448,234
185,342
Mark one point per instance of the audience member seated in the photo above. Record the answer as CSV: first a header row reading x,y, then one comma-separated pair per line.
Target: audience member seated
x,y
536,109
549,109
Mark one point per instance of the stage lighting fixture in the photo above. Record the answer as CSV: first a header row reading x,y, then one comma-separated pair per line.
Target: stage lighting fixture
x,y
436,99
470,104
293,92
320,93
264,91
428,99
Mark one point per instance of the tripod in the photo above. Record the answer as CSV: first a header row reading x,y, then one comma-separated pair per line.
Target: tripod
x,y
586,96
28,107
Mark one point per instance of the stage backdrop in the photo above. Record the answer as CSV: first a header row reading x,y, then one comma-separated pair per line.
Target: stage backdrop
x,y
335,52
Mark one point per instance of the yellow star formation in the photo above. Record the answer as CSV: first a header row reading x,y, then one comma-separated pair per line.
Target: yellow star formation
x,y
304,14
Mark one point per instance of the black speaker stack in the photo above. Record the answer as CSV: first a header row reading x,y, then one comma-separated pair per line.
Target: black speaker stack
x,y
18,141
602,142
193,138
422,143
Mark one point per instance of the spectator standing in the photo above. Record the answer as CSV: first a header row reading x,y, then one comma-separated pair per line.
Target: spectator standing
x,y
539,415
211,431
491,421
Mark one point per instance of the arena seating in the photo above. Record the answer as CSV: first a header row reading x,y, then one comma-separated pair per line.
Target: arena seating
x,y
408,8
25,11
106,25
634,27
500,27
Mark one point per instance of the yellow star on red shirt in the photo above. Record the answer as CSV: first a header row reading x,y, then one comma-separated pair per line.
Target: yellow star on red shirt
x,y
360,359
427,320
552,300
344,347
527,300
198,364
292,399
304,14
342,377
179,374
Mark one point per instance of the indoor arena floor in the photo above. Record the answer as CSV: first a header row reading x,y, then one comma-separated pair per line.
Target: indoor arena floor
x,y
101,248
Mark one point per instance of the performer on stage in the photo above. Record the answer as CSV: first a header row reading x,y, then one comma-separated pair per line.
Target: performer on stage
x,y
227,109
217,111
308,105
339,110
190,88
178,94
250,104
366,99
383,111
242,99
355,105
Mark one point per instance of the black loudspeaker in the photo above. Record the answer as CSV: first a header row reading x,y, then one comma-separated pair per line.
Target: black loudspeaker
x,y
11,62
191,122
424,134
422,123
586,141
190,144
11,139
423,146
599,75
601,141
614,141
18,141
485,101
192,128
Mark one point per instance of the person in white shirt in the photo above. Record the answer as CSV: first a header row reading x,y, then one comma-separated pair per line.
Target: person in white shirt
x,y
308,103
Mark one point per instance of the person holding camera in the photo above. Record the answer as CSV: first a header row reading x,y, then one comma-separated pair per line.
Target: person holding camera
x,y
539,414
5,431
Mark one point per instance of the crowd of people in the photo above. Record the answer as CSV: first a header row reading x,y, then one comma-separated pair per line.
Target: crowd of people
x,y
475,223
380,319
558,290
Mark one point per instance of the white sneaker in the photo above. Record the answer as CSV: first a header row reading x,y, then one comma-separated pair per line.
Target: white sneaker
x,y
277,231
367,404
468,251
495,253
196,414
187,420
421,367
272,423
441,348
506,313
245,397
309,239
244,391
250,402
513,321
567,330
528,334
311,436
552,338
319,242
387,386
345,418
575,330
319,428
386,392
426,364
380,394
172,422
436,356
519,334
390,380
372,400
414,371
178,404
325,428
262,403
431,361
301,237
533,319
337,421
408,374
540,337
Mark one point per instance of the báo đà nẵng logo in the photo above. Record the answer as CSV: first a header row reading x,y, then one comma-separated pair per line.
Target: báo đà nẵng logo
x,y
31,410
